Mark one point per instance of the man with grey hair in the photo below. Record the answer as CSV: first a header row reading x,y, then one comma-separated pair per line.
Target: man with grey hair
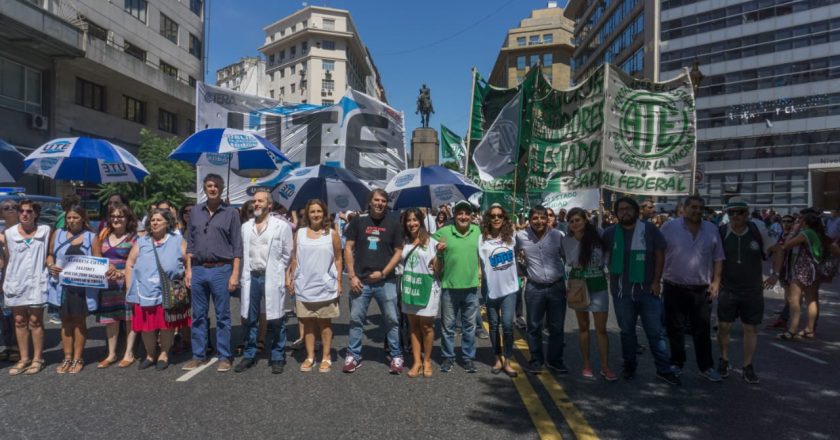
x,y
267,247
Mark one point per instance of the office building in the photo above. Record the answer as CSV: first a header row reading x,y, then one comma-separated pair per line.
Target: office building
x,y
245,76
543,38
99,69
315,54
768,107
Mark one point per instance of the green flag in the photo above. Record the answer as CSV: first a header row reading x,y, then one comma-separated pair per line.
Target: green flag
x,y
452,146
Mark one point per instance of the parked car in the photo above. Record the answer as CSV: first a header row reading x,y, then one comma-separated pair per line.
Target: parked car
x,y
50,207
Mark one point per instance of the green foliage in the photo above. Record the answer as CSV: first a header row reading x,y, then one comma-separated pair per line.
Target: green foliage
x,y
452,165
167,179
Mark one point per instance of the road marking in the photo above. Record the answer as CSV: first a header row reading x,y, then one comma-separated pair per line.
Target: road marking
x,y
799,353
190,374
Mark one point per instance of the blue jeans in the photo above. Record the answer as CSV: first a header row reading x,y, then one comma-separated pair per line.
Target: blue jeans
x,y
452,302
210,282
7,329
276,327
503,308
549,302
385,294
628,309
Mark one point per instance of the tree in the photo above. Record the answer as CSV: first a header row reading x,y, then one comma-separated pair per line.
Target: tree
x,y
168,179
452,165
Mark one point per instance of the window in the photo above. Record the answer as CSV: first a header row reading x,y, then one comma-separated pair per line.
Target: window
x,y
282,55
520,41
304,47
169,69
196,6
282,72
292,88
520,62
328,85
191,81
329,24
168,28
137,8
20,87
548,38
190,126
282,91
292,69
134,110
328,102
135,51
534,60
271,94
534,39
548,59
328,65
96,31
90,95
328,45
292,51
271,59
302,85
271,76
167,121
195,46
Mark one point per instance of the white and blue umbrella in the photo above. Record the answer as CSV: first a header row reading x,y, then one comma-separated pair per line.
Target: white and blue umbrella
x,y
428,187
86,159
11,162
337,187
247,151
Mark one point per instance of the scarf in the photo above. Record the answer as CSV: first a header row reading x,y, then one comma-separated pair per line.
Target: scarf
x,y
637,253
814,244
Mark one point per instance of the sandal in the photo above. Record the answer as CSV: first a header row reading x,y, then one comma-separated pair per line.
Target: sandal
x,y
19,367
806,334
76,366
789,336
64,367
105,363
508,369
125,364
415,371
35,367
427,370
307,365
325,366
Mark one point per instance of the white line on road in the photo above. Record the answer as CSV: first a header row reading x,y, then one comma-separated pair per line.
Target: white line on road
x,y
191,374
799,353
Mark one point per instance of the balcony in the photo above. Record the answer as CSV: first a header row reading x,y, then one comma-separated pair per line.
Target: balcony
x,y
36,30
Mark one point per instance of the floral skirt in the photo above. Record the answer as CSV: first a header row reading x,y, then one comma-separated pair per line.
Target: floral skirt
x,y
112,307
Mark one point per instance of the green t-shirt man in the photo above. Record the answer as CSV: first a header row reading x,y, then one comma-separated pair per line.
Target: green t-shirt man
x,y
460,258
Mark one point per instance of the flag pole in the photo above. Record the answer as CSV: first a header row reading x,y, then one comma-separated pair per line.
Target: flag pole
x,y
469,125
692,184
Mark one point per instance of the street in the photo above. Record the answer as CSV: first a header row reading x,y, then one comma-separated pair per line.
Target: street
x,y
796,398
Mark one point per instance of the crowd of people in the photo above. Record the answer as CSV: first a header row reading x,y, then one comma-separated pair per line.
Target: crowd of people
x,y
167,269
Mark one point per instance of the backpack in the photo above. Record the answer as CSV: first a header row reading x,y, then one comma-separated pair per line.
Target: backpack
x,y
754,233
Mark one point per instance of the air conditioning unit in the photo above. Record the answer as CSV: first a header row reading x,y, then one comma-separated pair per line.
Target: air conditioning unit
x,y
38,122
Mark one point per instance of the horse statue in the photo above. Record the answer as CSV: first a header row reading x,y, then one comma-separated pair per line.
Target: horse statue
x,y
424,105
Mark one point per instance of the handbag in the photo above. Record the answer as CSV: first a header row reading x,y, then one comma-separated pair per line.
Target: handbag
x,y
176,296
577,292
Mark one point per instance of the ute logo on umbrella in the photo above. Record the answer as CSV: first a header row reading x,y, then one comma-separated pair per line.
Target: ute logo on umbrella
x,y
287,190
241,142
46,164
403,180
443,193
56,147
342,202
115,169
217,158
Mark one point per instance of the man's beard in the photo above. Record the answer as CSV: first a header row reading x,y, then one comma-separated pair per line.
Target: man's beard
x,y
258,213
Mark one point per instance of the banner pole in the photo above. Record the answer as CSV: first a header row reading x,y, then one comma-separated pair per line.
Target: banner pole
x,y
692,183
469,126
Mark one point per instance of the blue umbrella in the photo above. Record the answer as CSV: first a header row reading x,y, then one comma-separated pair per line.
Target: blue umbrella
x,y
339,188
428,187
87,159
11,162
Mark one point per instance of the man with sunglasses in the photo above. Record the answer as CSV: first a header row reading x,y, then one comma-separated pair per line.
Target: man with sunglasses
x,y
214,250
742,286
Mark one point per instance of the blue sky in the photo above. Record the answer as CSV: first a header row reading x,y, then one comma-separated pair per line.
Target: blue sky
x,y
412,42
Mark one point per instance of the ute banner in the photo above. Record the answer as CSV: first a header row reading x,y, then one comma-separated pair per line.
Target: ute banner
x,y
359,133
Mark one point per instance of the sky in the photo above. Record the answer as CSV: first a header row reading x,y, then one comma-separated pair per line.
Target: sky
x,y
412,42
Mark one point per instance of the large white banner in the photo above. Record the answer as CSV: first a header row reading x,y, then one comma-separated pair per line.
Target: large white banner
x,y
359,133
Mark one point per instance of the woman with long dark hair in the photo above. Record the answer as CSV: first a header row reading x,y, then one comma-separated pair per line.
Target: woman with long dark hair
x,y
814,247
496,251
441,219
420,291
585,256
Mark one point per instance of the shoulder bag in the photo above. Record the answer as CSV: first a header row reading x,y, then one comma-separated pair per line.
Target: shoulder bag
x,y
176,296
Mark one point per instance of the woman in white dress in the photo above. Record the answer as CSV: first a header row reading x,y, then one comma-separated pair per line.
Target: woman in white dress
x,y
420,290
25,284
314,278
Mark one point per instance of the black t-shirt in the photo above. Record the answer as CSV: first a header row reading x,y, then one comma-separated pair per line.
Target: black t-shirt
x,y
375,241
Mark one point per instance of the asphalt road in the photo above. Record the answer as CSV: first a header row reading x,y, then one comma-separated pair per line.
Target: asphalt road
x,y
796,399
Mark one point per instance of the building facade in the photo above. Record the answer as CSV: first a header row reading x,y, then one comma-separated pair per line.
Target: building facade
x,y
768,107
100,69
619,32
543,38
314,55
245,76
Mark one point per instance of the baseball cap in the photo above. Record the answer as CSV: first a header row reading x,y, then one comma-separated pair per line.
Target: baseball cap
x,y
461,204
736,203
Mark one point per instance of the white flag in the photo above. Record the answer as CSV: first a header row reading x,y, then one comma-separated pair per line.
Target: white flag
x,y
496,154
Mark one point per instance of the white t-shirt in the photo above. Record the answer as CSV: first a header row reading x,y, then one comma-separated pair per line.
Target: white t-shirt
x,y
498,263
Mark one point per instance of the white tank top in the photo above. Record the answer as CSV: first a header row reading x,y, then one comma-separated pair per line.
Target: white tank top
x,y
316,278
26,273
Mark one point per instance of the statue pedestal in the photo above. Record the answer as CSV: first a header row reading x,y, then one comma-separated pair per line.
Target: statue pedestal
x,y
424,147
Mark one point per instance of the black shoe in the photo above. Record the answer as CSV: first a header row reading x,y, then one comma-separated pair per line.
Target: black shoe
x,y
245,364
640,349
239,350
628,372
277,367
559,367
535,367
749,375
470,366
669,378
145,363
446,365
724,368
162,365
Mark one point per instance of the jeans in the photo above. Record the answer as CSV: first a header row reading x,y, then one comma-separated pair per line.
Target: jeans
x,y
210,282
7,329
385,294
549,302
628,309
501,309
276,327
688,306
452,302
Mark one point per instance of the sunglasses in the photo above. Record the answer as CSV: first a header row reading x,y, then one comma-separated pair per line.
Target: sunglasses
x,y
738,212
10,208
26,211
494,216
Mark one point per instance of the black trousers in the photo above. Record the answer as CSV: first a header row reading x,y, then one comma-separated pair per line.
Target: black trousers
x,y
688,307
